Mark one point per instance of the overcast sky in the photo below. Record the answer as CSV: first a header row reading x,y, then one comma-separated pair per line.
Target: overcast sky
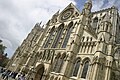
x,y
18,17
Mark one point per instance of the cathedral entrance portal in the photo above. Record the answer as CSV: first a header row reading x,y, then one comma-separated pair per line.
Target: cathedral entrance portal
x,y
39,73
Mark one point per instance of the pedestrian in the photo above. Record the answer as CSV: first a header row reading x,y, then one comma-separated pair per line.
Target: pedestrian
x,y
22,77
18,78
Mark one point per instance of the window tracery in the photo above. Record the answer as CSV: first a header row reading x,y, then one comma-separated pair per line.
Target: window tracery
x,y
95,23
46,44
76,68
69,30
55,64
85,70
58,63
58,36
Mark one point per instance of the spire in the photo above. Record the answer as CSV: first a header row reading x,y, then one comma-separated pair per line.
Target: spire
x,y
40,23
90,1
57,13
87,7
43,26
89,4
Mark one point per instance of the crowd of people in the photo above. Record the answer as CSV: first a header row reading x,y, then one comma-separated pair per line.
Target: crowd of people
x,y
9,75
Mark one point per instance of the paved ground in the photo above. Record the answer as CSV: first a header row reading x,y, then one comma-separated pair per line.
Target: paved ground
x,y
8,79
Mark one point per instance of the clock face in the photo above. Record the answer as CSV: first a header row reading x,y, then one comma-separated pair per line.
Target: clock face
x,y
67,14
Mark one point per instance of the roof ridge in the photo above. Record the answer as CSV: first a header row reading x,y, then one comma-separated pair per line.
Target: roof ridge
x,y
112,7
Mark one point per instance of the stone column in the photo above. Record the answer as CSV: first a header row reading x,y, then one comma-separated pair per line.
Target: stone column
x,y
95,71
89,72
108,73
83,49
80,71
67,66
90,49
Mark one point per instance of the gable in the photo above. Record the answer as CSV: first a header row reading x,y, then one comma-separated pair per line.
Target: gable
x,y
69,13
88,37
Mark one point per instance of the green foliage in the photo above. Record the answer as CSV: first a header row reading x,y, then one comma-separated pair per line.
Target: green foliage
x,y
4,63
3,56
2,47
0,41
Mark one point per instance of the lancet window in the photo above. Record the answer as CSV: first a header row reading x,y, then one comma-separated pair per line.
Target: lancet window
x,y
69,30
76,68
95,23
58,36
85,70
49,37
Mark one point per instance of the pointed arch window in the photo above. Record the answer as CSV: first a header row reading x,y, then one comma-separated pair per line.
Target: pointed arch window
x,y
61,62
46,44
76,68
106,27
85,70
48,55
95,22
69,30
44,57
58,35
59,65
56,63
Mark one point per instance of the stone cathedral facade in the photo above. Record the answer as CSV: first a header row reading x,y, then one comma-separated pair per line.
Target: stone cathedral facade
x,y
73,45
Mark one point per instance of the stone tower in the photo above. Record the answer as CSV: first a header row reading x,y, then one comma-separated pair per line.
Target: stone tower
x,y
73,45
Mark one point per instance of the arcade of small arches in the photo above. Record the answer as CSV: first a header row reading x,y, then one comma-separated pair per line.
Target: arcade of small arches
x,y
87,45
98,22
79,66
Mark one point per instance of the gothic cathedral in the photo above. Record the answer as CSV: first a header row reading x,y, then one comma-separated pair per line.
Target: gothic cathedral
x,y
72,45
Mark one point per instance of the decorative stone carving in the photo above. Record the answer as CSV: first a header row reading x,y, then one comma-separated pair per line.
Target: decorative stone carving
x,y
66,14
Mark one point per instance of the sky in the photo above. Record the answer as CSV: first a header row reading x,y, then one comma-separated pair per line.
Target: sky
x,y
18,17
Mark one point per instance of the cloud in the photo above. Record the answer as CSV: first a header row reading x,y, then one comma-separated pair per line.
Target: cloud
x,y
18,17
102,4
99,4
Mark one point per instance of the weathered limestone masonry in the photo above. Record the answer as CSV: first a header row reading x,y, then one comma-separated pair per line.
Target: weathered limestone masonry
x,y
73,45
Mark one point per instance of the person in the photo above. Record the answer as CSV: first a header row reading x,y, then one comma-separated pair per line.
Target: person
x,y
18,78
22,77
1,71
4,74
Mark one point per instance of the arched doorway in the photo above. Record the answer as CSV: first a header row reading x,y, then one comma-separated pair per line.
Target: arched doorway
x,y
39,73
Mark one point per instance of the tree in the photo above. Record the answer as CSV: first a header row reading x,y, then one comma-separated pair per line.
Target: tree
x,y
2,47
0,41
3,56
5,61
